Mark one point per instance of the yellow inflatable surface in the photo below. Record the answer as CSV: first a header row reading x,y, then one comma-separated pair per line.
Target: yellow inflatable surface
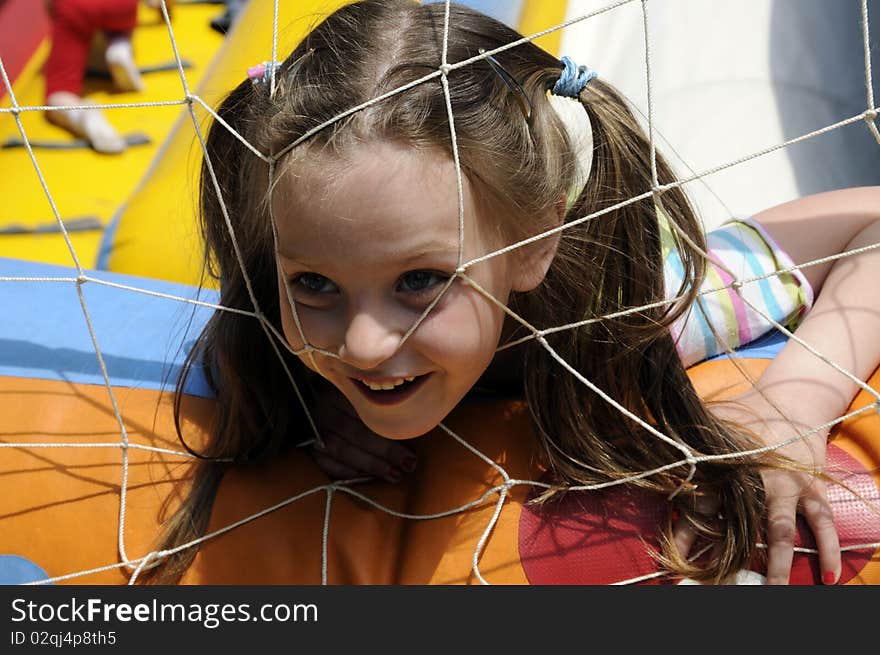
x,y
89,188
156,233
136,213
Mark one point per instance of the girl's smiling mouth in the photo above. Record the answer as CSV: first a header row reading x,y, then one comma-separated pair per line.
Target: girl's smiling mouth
x,y
391,392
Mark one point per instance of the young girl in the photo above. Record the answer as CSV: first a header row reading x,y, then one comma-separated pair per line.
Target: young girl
x,y
348,238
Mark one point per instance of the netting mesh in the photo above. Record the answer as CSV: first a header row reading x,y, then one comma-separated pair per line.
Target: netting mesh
x,y
135,563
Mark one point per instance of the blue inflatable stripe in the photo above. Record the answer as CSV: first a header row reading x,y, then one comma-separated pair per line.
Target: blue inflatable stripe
x,y
18,570
143,339
765,347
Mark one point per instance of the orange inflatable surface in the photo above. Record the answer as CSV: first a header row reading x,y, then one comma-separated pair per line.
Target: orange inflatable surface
x,y
60,505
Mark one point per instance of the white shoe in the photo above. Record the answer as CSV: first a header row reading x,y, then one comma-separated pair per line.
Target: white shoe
x,y
87,123
103,137
123,69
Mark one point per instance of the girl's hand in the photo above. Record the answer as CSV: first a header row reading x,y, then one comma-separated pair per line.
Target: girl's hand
x,y
351,449
787,492
790,492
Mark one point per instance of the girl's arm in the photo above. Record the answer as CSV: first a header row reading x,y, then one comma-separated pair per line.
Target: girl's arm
x,y
844,326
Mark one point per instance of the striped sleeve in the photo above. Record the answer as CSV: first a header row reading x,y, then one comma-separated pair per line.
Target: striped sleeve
x,y
729,320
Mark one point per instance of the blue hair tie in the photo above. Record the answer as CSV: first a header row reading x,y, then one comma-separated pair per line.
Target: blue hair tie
x,y
573,79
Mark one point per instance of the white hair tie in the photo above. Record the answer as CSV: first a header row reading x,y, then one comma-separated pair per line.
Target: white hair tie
x,y
580,133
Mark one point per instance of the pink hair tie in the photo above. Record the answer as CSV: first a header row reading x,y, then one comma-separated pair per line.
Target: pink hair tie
x,y
262,71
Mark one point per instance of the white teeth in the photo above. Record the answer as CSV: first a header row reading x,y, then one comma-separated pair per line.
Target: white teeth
x,y
387,385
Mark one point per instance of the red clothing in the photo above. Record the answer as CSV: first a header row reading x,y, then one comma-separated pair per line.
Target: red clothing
x,y
74,23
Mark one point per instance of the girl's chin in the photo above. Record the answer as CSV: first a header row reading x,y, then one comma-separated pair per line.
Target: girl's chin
x,y
401,432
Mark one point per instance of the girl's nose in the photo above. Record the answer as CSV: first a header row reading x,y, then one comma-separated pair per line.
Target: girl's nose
x,y
368,342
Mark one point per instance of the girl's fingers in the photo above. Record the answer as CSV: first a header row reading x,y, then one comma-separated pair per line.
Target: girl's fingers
x,y
335,415
785,496
781,530
388,450
356,459
817,511
683,536
333,469
683,533
332,422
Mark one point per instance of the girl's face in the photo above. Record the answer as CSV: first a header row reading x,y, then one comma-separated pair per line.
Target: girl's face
x,y
366,245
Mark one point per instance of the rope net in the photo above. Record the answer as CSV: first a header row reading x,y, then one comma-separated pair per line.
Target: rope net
x,y
136,563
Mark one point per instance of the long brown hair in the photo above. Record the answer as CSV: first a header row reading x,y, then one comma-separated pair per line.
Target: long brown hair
x,y
521,167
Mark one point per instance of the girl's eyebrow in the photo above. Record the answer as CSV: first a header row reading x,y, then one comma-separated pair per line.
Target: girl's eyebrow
x,y
287,256
433,250
439,250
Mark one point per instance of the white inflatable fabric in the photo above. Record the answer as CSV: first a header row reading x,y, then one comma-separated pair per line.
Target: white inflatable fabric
x,y
732,78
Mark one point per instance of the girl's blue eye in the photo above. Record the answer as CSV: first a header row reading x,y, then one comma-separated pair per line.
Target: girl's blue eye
x,y
314,284
420,281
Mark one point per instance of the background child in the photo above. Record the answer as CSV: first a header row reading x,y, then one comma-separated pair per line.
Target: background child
x,y
73,26
404,342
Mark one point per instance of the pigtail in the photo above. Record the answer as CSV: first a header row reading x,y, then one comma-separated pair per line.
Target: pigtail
x,y
616,261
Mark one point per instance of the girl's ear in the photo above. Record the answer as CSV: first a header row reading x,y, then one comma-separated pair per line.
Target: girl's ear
x,y
533,261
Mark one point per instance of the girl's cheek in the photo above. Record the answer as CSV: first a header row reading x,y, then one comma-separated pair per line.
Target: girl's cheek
x,y
464,327
288,325
317,326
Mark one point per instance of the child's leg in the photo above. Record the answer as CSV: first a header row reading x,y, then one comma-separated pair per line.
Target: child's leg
x,y
115,15
118,19
71,33
74,23
88,123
